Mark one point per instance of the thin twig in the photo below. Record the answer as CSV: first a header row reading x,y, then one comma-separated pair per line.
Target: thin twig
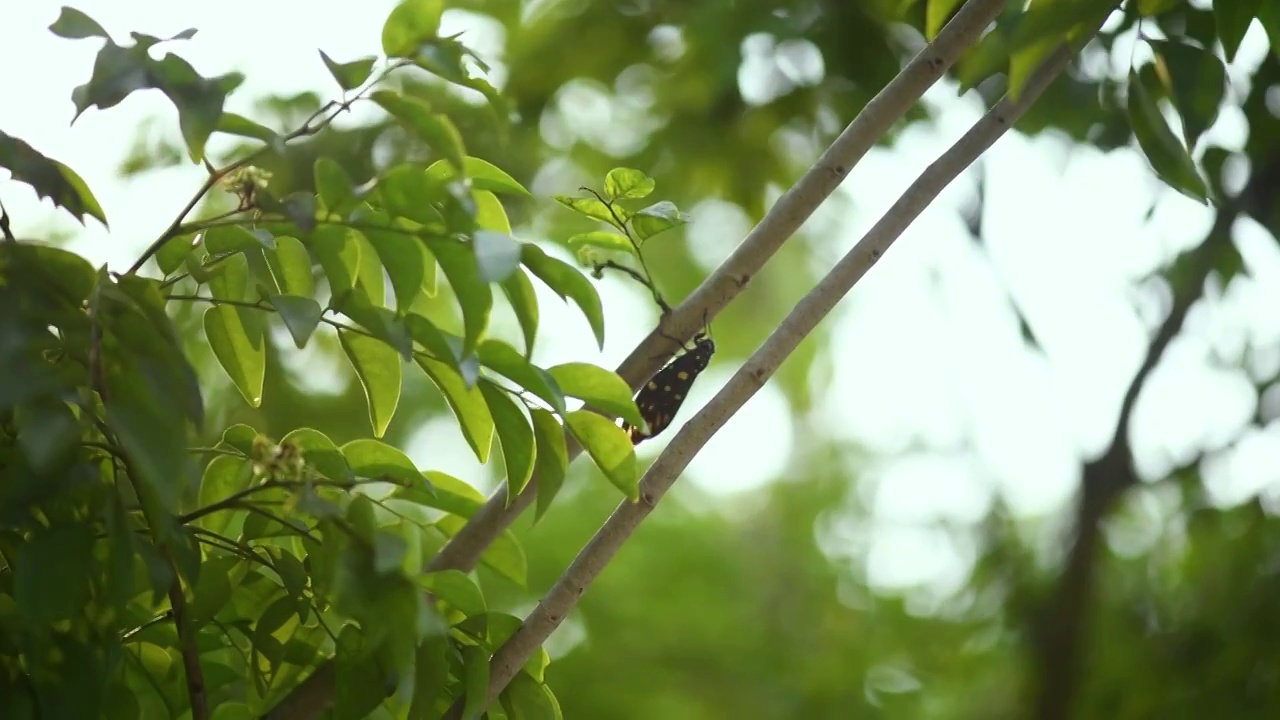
x,y
463,550
563,596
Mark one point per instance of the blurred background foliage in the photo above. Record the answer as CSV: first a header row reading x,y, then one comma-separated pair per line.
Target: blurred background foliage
x,y
758,605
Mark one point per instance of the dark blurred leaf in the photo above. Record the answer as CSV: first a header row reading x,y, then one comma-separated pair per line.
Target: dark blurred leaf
x,y
530,699
1197,82
524,303
377,365
350,75
49,178
334,187
1233,19
475,679
301,316
53,573
1168,156
75,25
455,588
609,447
233,124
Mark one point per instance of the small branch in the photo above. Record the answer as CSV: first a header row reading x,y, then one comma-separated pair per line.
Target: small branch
x,y
196,690
802,320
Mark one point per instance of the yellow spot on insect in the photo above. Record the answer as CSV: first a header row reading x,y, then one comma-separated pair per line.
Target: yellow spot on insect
x,y
682,375
679,397
653,385
666,389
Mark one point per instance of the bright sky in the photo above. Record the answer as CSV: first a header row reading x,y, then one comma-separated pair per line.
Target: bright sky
x,y
932,376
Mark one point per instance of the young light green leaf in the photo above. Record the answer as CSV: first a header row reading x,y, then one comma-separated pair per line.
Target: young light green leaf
x,y
515,435
1167,156
600,388
505,360
566,281
594,209
370,280
455,588
937,14
174,251
497,255
350,75
240,347
301,316
627,184
610,449
473,292
319,452
436,130
410,24
657,218
604,240
224,476
524,303
338,251
375,459
484,176
291,265
490,215
475,679
377,365
529,699
406,261
552,459
467,404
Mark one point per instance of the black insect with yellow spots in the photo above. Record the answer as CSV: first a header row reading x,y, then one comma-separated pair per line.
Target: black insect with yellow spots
x,y
662,397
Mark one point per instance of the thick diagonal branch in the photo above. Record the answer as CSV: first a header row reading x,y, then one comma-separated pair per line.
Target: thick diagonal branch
x,y
562,597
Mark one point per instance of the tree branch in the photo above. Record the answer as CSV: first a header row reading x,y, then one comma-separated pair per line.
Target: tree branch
x,y
562,597
463,550
1063,625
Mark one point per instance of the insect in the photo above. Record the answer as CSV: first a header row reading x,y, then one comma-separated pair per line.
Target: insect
x,y
662,397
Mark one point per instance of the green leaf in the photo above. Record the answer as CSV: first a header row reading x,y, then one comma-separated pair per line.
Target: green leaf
x,y
380,322
406,261
233,124
241,438
1233,18
239,349
320,453
447,493
47,432
610,449
594,209
515,436
497,255
338,251
490,215
566,281
657,218
411,23
234,238
474,295
291,264
627,184
301,316
54,569
377,364
174,252
1167,156
213,590
504,359
475,680
350,75
224,476
333,186
937,15
369,278
1048,23
1197,82
405,191
604,240
552,458
483,175
455,588
467,405
524,303
435,129
377,460
75,25
600,388
529,699
49,178
504,555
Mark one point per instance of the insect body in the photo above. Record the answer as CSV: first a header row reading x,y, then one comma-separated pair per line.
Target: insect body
x,y
662,397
